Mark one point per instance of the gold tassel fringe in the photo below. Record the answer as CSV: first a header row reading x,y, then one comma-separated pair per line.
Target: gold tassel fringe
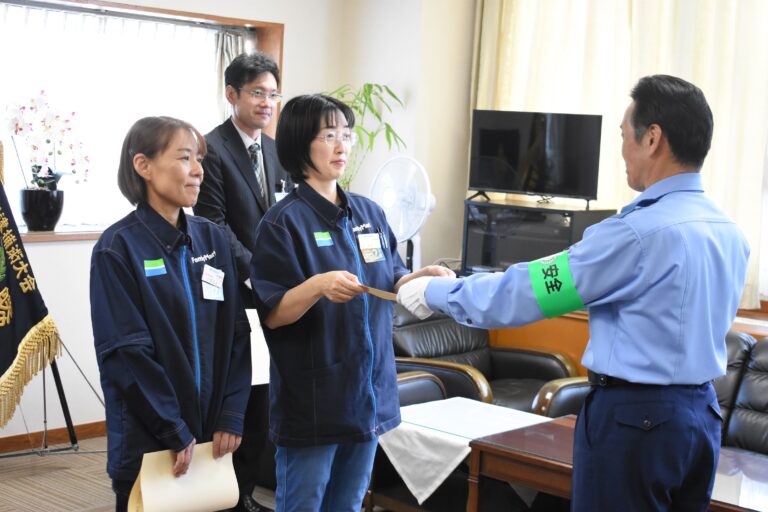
x,y
38,348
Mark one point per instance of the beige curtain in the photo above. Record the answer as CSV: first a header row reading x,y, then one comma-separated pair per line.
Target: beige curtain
x,y
229,44
584,56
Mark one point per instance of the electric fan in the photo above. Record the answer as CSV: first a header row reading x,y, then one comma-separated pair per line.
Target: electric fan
x,y
401,188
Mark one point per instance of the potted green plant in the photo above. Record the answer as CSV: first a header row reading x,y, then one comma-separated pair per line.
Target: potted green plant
x,y
371,103
53,151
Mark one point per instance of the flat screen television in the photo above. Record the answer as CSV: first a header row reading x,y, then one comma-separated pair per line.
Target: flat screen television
x,y
535,153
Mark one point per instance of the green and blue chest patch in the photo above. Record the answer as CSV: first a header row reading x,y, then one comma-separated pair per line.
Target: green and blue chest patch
x,y
153,268
323,239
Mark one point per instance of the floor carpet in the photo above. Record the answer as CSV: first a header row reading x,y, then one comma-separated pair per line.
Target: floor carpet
x,y
66,481
57,482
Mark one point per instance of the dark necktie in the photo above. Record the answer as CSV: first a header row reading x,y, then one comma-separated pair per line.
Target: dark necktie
x,y
254,150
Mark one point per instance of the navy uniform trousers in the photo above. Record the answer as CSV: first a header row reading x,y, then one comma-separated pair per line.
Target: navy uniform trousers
x,y
646,448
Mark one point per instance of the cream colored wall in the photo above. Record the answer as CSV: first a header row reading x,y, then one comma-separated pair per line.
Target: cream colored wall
x,y
423,50
443,113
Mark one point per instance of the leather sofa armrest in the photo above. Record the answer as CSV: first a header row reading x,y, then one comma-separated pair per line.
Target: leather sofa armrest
x,y
419,387
561,397
533,364
459,379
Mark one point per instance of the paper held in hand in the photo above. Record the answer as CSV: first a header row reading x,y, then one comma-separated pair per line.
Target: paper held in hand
x,y
380,293
209,484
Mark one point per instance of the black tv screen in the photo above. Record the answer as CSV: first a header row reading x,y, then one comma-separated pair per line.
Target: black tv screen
x,y
535,153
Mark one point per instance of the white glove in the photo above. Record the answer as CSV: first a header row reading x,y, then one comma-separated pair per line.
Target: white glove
x,y
411,296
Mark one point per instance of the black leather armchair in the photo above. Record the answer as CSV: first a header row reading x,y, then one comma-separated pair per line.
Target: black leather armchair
x,y
419,387
462,358
561,397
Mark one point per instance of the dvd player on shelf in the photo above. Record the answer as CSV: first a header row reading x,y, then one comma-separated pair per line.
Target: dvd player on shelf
x,y
497,235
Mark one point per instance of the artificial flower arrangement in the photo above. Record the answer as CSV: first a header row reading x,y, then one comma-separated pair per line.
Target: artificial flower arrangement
x,y
48,136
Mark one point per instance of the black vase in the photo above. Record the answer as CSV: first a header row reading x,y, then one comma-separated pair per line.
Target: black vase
x,y
41,208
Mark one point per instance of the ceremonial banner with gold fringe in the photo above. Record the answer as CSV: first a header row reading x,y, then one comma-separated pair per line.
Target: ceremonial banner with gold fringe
x,y
29,339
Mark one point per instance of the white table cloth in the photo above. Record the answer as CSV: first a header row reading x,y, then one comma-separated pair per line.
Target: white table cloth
x,y
434,437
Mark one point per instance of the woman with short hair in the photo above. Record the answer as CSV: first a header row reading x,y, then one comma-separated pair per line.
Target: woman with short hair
x,y
333,385
172,339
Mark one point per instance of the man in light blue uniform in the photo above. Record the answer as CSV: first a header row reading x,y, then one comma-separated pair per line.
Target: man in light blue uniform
x,y
662,281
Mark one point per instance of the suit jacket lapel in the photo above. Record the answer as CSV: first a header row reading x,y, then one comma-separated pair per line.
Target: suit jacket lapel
x,y
271,165
239,153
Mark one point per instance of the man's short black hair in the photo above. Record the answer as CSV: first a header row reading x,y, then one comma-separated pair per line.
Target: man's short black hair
x,y
149,136
299,123
682,112
247,66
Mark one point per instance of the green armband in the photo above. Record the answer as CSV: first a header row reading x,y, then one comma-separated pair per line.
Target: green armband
x,y
553,286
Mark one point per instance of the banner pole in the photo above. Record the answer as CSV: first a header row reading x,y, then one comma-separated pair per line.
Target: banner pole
x,y
64,406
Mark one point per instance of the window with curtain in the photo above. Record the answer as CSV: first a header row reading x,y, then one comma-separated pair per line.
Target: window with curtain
x,y
110,71
584,57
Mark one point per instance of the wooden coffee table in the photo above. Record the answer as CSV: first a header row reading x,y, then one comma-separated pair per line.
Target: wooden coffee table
x,y
541,457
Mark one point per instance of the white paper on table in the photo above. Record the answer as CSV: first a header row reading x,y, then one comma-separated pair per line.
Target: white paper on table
x,y
209,484
434,437
727,487
470,419
753,494
259,350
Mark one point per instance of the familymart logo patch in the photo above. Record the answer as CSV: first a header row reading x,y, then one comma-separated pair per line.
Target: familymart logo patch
x,y
154,268
323,239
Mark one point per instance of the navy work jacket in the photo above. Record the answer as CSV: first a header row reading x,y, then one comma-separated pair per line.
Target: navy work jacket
x,y
173,365
332,372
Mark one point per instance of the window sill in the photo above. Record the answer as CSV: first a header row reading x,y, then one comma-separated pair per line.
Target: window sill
x,y
750,321
58,236
755,314
757,327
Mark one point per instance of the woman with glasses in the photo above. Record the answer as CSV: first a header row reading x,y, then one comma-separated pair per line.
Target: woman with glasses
x,y
172,339
333,387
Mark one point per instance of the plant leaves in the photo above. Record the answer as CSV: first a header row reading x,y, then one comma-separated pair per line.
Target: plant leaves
x,y
394,96
372,138
339,92
371,103
395,138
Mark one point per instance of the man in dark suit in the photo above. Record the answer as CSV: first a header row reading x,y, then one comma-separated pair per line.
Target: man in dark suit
x,y
243,178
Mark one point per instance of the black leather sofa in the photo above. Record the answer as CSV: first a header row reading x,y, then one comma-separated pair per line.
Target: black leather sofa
x,y
463,359
743,395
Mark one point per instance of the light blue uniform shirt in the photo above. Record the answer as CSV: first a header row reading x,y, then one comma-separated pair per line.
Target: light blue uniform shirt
x,y
662,281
